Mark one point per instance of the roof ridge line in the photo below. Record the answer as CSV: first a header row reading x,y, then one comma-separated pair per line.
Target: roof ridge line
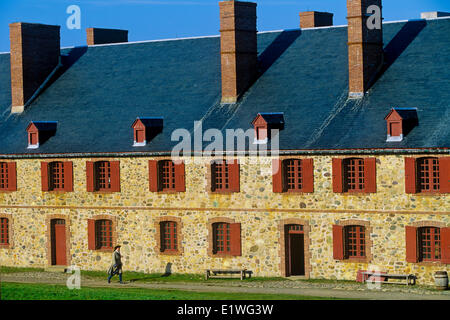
x,y
216,36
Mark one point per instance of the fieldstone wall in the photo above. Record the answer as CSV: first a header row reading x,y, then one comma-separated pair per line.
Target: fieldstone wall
x,y
256,207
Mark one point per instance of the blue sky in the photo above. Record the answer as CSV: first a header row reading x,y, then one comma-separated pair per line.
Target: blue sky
x,y
148,19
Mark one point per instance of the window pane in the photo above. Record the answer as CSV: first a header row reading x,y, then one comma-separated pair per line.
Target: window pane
x,y
167,175
430,244
56,175
293,175
429,179
355,239
221,238
354,174
3,175
103,177
4,231
220,175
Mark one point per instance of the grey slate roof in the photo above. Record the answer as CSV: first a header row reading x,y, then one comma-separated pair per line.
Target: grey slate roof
x,y
103,89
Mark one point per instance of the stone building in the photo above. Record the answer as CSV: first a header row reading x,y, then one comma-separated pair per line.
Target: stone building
x,y
355,120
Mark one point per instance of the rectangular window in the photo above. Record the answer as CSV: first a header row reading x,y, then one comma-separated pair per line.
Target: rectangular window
x,y
221,238
354,175
220,176
57,176
103,176
430,244
293,175
169,236
428,174
4,185
355,240
4,231
167,175
104,234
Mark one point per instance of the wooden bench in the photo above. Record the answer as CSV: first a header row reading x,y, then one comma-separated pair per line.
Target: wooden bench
x,y
219,273
383,278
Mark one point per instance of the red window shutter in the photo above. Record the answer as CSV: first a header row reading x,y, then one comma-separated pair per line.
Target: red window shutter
x,y
44,176
337,175
115,176
68,176
235,234
445,238
338,242
180,180
153,175
444,173
277,176
410,175
370,175
235,176
308,175
12,176
90,176
411,244
91,235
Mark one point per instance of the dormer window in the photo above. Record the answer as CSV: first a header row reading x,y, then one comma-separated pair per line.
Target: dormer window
x,y
39,132
264,123
400,121
145,129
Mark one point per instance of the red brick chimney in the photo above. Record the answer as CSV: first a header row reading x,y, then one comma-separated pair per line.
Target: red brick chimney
x,y
105,36
314,19
365,46
35,53
239,53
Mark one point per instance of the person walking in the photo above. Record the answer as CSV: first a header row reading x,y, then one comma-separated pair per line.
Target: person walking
x,y
116,266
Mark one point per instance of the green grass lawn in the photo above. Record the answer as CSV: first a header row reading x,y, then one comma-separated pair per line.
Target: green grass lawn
x,y
175,277
19,291
4,269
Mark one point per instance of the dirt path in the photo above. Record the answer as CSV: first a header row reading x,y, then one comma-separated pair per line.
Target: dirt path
x,y
385,294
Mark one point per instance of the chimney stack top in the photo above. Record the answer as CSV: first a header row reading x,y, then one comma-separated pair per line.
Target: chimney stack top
x,y
105,36
314,19
434,15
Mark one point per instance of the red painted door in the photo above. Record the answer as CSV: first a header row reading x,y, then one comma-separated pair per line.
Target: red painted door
x,y
396,129
140,136
59,243
33,138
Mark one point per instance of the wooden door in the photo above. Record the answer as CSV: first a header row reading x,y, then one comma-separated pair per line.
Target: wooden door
x,y
33,138
295,250
59,254
396,129
140,137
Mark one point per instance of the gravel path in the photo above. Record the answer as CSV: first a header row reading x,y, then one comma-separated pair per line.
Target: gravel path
x,y
296,287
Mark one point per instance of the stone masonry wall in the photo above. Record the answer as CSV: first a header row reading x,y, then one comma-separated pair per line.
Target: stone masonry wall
x,y
256,207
